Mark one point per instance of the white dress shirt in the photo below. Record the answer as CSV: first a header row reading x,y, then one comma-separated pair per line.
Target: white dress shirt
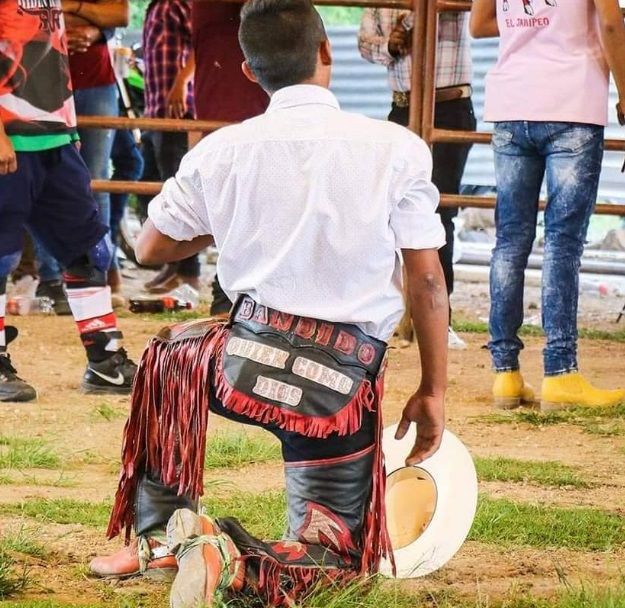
x,y
309,206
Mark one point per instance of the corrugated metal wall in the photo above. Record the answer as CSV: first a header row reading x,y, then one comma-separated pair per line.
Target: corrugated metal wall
x,y
362,87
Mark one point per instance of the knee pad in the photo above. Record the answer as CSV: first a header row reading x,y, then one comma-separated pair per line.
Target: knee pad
x,y
101,254
8,263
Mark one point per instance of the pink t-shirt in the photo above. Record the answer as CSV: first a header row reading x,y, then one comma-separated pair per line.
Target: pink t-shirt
x,y
551,65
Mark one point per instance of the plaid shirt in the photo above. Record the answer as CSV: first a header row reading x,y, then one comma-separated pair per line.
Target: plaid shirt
x,y
166,49
453,55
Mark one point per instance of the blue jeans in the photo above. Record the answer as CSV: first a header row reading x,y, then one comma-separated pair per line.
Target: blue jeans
x,y
95,149
127,166
570,154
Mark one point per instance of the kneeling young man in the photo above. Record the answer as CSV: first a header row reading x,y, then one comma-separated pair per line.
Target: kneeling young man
x,y
309,207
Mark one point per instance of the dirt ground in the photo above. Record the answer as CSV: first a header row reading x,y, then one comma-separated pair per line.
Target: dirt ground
x,y
48,355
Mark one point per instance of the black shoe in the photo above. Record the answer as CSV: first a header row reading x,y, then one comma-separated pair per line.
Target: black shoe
x,y
113,375
12,387
54,290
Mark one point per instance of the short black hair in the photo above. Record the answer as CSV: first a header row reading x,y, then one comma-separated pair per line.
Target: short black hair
x,y
280,41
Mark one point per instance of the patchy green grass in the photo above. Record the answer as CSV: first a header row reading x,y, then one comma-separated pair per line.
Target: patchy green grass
x,y
13,578
262,514
498,521
507,523
386,595
20,478
237,449
479,327
549,473
61,511
105,411
22,541
23,453
606,422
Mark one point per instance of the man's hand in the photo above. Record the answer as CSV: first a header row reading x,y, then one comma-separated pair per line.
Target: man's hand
x,y
400,40
81,37
177,98
8,158
428,412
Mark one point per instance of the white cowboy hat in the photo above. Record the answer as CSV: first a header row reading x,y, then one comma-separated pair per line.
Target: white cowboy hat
x,y
429,507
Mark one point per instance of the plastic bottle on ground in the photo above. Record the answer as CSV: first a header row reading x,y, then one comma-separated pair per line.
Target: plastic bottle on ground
x,y
24,305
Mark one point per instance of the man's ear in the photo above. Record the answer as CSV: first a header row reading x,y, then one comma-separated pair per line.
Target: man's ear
x,y
325,53
248,72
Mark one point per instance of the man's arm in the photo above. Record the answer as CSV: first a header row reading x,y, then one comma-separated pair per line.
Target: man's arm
x,y
153,247
613,39
102,13
8,158
483,23
372,42
177,96
429,308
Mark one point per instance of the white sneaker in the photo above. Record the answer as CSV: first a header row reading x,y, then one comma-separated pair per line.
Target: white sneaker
x,y
454,341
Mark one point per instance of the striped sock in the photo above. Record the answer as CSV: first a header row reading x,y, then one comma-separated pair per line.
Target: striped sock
x,y
96,321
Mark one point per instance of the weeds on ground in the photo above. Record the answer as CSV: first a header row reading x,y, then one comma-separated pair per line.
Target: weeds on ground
x,y
23,453
606,422
548,473
237,449
264,514
12,579
498,521
508,523
108,412
61,511
21,541
20,478
479,327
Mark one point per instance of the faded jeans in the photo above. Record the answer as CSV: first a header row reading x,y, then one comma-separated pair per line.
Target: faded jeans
x,y
570,155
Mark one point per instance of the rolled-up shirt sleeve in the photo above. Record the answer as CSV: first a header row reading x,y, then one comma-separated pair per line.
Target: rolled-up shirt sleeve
x,y
414,220
180,210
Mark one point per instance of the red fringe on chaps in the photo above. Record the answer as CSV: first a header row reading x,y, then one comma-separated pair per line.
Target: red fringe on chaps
x,y
166,434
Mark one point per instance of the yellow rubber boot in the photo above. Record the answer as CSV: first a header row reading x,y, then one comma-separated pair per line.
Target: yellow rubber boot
x,y
510,390
572,389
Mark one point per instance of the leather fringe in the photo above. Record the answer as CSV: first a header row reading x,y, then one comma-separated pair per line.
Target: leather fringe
x,y
284,585
166,430
376,541
345,422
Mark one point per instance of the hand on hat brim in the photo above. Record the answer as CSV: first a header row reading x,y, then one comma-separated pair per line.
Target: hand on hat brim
x,y
428,412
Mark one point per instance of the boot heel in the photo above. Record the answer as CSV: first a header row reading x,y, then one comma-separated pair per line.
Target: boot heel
x,y
507,403
181,525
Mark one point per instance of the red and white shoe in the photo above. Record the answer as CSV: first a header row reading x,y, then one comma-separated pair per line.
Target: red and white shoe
x,y
144,556
209,562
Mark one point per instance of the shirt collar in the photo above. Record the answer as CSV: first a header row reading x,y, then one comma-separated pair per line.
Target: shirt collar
x,y
302,95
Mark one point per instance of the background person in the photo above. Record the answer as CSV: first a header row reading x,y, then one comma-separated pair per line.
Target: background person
x,y
385,37
169,66
90,24
546,123
45,186
222,91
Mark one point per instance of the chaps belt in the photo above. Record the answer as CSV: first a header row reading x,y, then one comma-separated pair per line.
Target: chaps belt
x,y
402,99
344,342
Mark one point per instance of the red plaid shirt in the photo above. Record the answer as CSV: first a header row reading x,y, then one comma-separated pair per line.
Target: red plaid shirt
x,y
166,49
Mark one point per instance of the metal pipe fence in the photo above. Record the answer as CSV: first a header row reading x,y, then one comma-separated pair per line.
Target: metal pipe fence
x,y
422,102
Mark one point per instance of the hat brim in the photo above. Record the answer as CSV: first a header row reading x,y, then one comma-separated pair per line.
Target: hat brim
x,y
453,472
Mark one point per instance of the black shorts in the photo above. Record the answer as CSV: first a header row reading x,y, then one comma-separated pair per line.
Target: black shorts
x,y
50,193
